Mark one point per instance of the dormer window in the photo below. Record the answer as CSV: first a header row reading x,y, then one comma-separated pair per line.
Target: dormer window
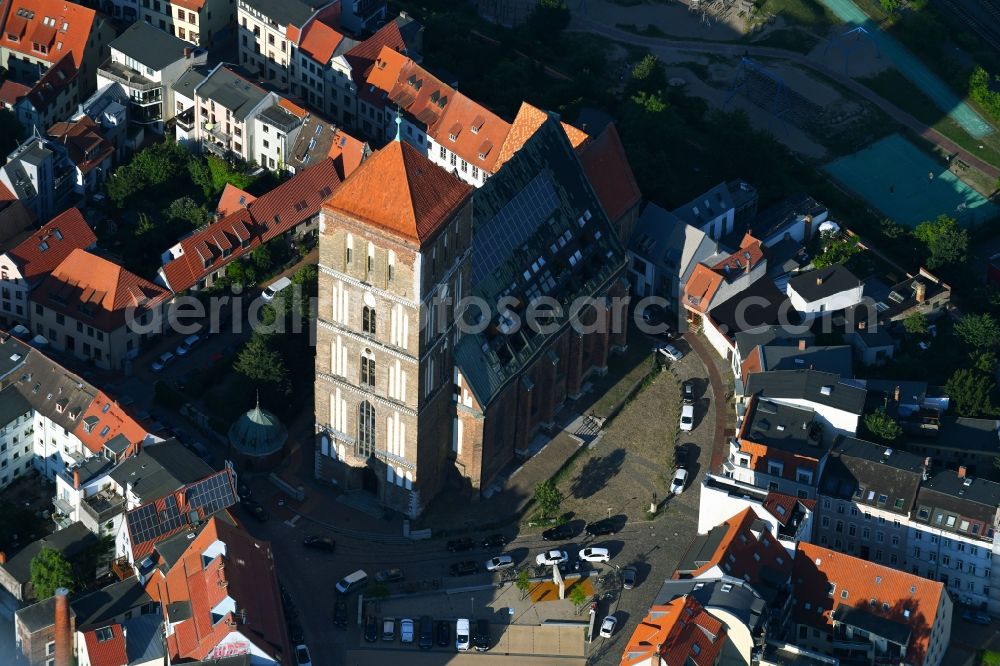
x,y
90,423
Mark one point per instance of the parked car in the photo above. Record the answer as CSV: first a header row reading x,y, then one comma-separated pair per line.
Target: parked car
x,y
426,633
256,510
371,629
687,417
406,630
443,633
272,289
481,640
681,453
302,657
458,545
352,582
340,614
165,359
494,541
388,629
595,555
670,352
551,557
680,480
499,563
628,578
189,342
558,533
976,617
319,543
608,626
466,568
393,575
603,527
687,391
462,638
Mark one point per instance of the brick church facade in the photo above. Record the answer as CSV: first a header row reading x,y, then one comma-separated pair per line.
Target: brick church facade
x,y
409,401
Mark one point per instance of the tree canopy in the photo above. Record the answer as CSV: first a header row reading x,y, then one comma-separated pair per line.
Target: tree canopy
x,y
916,324
548,497
50,570
264,366
946,242
882,426
979,331
972,392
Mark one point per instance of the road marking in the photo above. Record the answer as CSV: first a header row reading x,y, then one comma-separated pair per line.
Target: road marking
x,y
295,519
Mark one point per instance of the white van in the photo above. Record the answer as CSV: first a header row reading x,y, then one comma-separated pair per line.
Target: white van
x,y
352,582
462,634
272,289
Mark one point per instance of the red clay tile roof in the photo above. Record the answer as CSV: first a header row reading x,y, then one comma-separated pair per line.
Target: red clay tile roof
x,y
109,652
232,200
608,170
749,254
401,191
319,41
84,142
898,596
59,78
70,33
84,281
347,153
673,631
527,121
292,107
12,91
742,555
246,575
751,364
362,56
193,5
111,421
296,200
701,287
64,233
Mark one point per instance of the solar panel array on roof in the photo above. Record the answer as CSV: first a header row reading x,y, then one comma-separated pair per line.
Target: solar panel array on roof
x,y
513,225
212,494
145,523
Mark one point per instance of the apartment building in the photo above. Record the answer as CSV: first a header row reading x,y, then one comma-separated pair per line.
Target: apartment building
x,y
269,31
96,310
195,21
866,495
40,175
39,97
146,62
24,266
226,104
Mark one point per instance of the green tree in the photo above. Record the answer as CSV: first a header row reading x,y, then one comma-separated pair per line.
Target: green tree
x,y
916,324
548,497
261,258
523,583
946,242
50,570
262,365
984,360
577,596
889,6
883,427
979,331
837,248
972,392
188,212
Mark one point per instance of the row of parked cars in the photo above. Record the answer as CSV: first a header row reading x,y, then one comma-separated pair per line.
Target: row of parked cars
x,y
166,358
429,633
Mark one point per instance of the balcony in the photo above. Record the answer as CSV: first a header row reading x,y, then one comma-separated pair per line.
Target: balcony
x,y
130,79
103,506
185,120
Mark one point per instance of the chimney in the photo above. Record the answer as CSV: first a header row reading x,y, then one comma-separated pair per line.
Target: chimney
x,y
961,472
895,395
76,479
802,344
819,280
3,557
63,631
920,291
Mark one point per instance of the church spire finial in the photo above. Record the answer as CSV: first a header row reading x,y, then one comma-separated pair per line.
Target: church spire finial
x,y
399,124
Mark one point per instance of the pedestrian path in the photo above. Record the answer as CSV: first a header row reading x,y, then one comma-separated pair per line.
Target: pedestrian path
x,y
914,70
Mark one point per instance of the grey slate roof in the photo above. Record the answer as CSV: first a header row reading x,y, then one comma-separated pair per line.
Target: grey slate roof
x,y
705,206
70,541
189,80
783,215
783,427
40,615
769,335
665,240
280,117
232,91
99,606
53,390
734,595
858,616
808,385
149,45
733,317
867,471
823,282
965,433
287,12
836,359
142,638
520,214
13,353
160,469
702,548
946,491
12,405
